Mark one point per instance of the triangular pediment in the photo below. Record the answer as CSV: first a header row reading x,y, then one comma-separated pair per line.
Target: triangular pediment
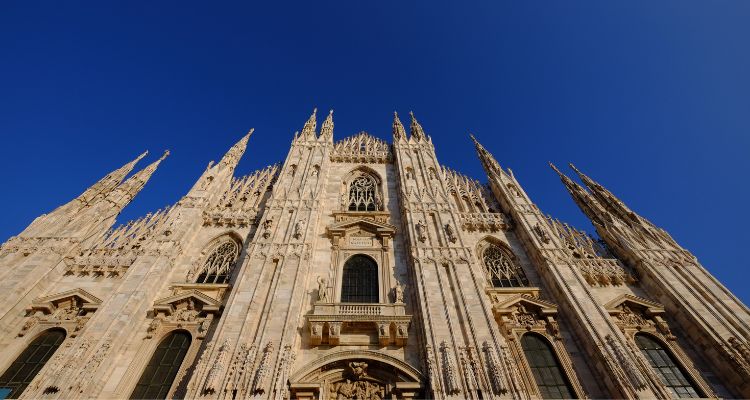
x,y
168,303
509,304
362,224
49,303
632,301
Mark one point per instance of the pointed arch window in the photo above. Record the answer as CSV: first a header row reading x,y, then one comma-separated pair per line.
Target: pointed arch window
x,y
219,264
664,364
359,283
500,268
157,378
548,373
363,193
25,367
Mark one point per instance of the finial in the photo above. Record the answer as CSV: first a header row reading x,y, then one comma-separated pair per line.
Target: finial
x,y
250,132
575,169
330,112
395,114
315,109
411,114
166,153
555,168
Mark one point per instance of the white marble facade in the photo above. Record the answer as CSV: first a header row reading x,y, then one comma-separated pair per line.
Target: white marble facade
x,y
360,269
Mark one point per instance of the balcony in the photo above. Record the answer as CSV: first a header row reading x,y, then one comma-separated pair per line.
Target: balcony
x,y
359,323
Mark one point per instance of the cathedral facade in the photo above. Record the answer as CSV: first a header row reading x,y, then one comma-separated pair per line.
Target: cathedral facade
x,y
360,269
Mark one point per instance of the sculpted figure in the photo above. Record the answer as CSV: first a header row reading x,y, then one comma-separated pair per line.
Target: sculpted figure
x,y
398,293
421,231
322,290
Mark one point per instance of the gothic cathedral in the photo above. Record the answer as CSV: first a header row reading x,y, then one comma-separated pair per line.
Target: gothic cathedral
x,y
360,269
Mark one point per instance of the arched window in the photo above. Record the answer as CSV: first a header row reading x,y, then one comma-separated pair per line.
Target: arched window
x,y
501,270
548,374
363,193
359,282
161,370
671,375
27,365
218,265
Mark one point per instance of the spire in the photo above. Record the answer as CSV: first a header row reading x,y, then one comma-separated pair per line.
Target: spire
x,y
308,131
398,129
593,210
415,128
326,130
133,185
489,163
233,156
109,182
607,199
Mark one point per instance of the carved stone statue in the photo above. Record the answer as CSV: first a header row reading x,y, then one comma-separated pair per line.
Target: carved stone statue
x,y
267,225
398,293
450,233
359,369
421,231
298,228
322,290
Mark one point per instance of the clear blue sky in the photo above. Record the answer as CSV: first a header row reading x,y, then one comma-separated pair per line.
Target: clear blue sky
x,y
651,98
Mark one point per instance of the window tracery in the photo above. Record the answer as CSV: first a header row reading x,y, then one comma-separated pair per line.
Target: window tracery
x,y
363,193
500,268
217,267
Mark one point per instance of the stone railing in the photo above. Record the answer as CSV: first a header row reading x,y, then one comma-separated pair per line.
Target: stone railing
x,y
328,320
484,221
603,271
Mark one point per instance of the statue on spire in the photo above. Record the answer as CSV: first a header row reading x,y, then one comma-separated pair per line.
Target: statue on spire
x,y
326,130
398,129
416,129
308,130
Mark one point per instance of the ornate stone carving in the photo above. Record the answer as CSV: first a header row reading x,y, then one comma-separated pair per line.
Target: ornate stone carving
x,y
449,370
363,148
264,370
70,309
494,368
450,234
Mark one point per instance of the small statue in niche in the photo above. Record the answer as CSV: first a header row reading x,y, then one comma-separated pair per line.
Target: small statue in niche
x,y
398,293
267,224
421,231
383,330
322,290
450,233
541,233
298,228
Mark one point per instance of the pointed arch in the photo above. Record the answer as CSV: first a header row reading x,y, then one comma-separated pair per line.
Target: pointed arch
x,y
362,190
218,260
25,367
158,377
548,373
500,264
666,366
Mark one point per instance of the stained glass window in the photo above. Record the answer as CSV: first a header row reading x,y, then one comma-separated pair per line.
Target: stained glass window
x,y
359,283
672,376
501,270
548,374
27,365
218,265
161,370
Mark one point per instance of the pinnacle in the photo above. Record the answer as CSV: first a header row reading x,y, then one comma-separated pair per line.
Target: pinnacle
x,y
165,155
